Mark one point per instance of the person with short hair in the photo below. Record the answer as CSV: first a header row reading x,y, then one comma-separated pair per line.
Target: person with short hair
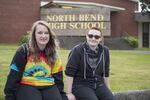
x,y
87,69
36,71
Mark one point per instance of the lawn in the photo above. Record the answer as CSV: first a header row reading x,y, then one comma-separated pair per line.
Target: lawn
x,y
129,70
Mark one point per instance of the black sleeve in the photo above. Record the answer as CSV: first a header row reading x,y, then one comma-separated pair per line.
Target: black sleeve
x,y
59,81
73,62
60,84
14,76
107,62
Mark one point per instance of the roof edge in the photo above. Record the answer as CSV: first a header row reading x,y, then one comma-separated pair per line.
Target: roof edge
x,y
88,3
135,0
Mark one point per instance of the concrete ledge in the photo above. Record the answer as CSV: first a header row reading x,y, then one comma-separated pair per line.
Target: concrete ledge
x,y
133,95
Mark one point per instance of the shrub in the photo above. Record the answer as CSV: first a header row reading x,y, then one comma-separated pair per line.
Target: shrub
x,y
24,38
133,41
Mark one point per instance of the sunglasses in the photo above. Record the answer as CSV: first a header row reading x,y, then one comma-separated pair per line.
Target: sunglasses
x,y
95,36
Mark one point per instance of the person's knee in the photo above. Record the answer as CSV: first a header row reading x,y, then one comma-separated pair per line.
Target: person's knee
x,y
85,93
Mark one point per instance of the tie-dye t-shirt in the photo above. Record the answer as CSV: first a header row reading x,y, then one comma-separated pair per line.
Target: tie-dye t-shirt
x,y
24,71
40,73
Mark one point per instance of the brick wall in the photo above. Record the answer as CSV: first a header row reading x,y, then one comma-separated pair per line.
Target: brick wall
x,y
16,17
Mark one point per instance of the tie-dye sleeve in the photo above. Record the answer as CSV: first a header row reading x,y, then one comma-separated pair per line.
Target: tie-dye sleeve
x,y
14,76
57,67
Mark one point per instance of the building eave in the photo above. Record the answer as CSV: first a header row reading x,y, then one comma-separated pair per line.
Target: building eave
x,y
86,4
135,0
141,18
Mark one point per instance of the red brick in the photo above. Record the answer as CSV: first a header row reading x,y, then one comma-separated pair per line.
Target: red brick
x,y
16,17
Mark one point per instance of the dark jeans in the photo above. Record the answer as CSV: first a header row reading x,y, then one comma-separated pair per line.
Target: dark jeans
x,y
86,93
26,92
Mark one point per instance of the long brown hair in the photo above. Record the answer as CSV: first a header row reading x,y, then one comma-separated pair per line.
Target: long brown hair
x,y
50,48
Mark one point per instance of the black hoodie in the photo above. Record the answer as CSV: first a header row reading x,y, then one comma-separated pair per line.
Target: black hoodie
x,y
78,66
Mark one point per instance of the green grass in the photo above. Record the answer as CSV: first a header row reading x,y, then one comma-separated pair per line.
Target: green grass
x,y
6,53
129,70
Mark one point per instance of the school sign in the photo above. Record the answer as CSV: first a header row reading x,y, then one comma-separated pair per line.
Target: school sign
x,y
76,21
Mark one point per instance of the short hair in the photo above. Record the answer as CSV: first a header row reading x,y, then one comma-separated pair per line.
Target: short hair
x,y
98,29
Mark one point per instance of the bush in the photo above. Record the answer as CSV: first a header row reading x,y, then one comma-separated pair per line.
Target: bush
x,y
24,38
133,41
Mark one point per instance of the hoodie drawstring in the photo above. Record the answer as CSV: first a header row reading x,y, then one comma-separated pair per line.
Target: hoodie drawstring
x,y
84,64
103,63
